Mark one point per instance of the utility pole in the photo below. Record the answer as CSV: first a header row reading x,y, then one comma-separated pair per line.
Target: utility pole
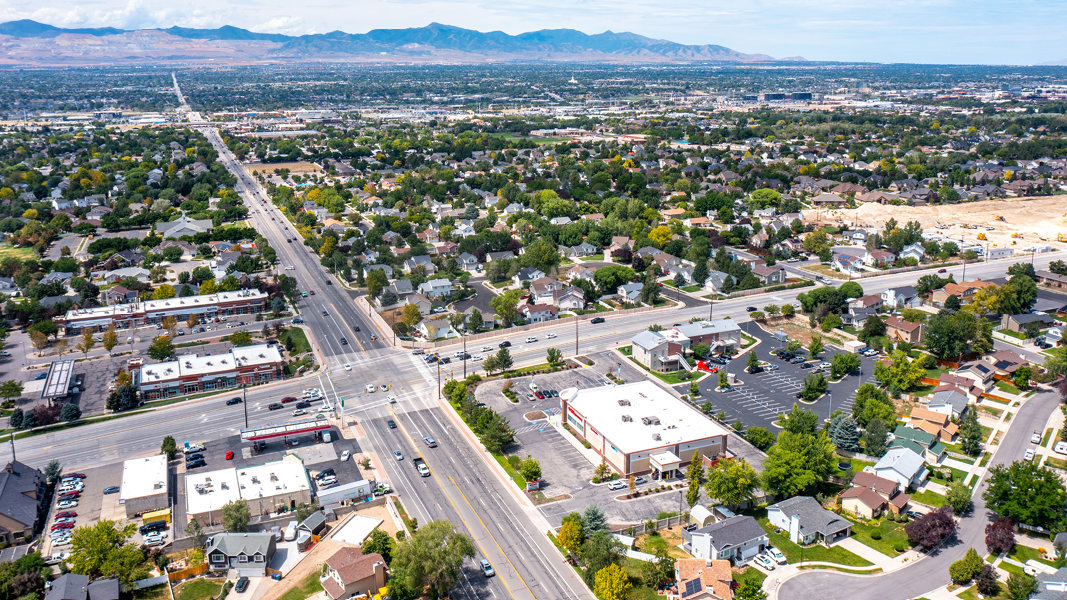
x,y
576,335
438,378
464,357
244,402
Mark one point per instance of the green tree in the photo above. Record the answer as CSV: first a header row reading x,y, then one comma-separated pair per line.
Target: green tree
x,y
1021,586
1026,492
872,403
750,589
759,437
612,583
541,255
732,482
506,306
958,496
475,322
70,412
816,346
379,542
815,385
376,282
503,359
530,469
875,438
966,568
11,389
593,519
800,420
753,362
102,550
195,531
971,436
902,373
235,516
433,557
797,463
52,471
161,348
125,397
844,433
843,363
950,335
554,357
241,338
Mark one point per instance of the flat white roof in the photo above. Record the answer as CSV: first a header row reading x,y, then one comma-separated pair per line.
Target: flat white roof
x,y
273,479
143,477
175,305
210,490
616,412
191,365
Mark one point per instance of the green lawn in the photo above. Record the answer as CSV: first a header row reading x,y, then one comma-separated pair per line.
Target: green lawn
x,y
1006,387
1013,334
1045,438
935,373
156,592
501,284
7,250
199,589
634,568
957,475
857,464
627,350
747,340
929,498
1059,463
971,593
672,378
692,288
995,413
815,552
750,573
594,257
309,586
1024,553
298,338
893,537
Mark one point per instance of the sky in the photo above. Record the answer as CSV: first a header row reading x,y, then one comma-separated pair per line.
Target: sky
x,y
1018,32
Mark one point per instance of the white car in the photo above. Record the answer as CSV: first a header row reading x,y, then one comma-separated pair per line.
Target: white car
x,y
62,542
531,340
391,399
328,480
298,412
616,485
348,367
1036,438
289,268
383,387
551,336
5,353
487,349
1029,454
824,365
345,455
59,557
776,555
477,357
370,388
67,504
1060,448
764,562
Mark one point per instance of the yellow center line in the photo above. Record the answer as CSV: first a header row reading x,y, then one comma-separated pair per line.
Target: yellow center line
x,y
415,445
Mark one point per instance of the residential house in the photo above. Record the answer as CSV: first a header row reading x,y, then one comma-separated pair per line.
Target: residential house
x,y
118,295
915,251
630,293
538,313
183,226
22,496
901,297
702,579
468,262
436,328
717,280
937,424
825,199
1049,586
505,255
527,275
71,586
401,287
583,273
542,291
350,573
807,521
899,330
920,442
962,291
856,236
580,251
659,351
383,268
903,466
1005,362
871,495
435,288
769,275
619,242
56,277
878,258
979,371
424,262
870,301
247,553
572,298
1017,323
847,263
737,539
424,304
141,275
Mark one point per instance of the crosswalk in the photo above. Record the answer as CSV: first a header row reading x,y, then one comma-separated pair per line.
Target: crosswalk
x,y
541,424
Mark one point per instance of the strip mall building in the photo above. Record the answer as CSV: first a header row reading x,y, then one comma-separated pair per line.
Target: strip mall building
x,y
152,312
191,374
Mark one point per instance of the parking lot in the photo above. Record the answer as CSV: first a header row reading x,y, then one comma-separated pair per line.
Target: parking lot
x,y
567,470
92,505
760,398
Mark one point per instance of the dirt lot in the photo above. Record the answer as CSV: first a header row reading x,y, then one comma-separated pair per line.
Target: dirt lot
x,y
295,168
1038,218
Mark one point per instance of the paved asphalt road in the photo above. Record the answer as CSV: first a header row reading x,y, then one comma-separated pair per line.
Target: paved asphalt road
x,y
932,571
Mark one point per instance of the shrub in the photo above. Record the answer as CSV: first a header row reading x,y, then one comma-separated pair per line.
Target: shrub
x,y
876,534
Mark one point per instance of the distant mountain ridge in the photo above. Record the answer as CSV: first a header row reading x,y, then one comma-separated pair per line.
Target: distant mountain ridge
x,y
30,41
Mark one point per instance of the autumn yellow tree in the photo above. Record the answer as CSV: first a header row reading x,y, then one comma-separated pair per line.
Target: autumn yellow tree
x,y
110,338
39,341
328,246
985,301
171,325
612,583
660,236
87,342
571,536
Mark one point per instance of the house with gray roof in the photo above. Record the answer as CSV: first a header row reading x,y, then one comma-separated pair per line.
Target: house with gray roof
x,y
717,280
401,287
248,553
630,293
737,539
805,519
1051,586
22,496
903,466
901,297
948,402
72,586
183,225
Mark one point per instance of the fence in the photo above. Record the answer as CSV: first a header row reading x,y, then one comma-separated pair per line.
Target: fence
x,y
187,573
858,456
642,528
147,583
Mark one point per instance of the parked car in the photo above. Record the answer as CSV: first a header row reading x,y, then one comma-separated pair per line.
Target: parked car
x,y
776,555
1029,454
242,585
229,455
345,455
618,484
67,504
764,562
1035,438
66,513
1060,448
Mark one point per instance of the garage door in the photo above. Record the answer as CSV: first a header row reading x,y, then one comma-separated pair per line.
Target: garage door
x,y
250,572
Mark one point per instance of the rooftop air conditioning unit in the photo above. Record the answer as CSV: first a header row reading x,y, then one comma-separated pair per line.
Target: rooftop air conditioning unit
x,y
627,419
624,402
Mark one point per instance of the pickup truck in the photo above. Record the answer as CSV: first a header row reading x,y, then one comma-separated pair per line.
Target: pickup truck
x,y
420,466
191,448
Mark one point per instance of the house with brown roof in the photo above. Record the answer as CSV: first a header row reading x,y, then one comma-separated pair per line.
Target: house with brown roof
x,y
1005,362
671,213
899,330
702,579
871,495
349,572
935,423
962,291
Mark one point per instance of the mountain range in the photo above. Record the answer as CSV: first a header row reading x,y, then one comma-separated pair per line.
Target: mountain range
x,y
30,42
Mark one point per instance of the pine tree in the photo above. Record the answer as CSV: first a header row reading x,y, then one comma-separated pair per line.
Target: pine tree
x,y
845,435
971,434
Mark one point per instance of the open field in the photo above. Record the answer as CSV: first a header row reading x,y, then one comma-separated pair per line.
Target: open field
x,y
20,253
295,168
1038,218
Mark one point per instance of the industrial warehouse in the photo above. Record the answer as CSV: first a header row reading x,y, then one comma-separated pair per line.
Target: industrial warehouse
x,y
640,428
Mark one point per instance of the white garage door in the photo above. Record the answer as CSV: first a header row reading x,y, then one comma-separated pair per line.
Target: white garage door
x,y
252,572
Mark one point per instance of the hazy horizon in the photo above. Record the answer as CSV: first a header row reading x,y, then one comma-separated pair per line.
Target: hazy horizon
x,y
908,31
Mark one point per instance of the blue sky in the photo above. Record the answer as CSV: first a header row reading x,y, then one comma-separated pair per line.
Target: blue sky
x,y
924,31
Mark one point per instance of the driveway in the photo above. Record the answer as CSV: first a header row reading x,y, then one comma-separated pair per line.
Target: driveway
x,y
932,571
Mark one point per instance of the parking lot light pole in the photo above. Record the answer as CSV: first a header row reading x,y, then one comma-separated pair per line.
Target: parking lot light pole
x,y
244,402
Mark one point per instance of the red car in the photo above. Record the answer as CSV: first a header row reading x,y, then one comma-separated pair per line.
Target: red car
x,y
77,475
59,526
66,514
540,395
229,455
942,270
70,494
312,292
288,399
